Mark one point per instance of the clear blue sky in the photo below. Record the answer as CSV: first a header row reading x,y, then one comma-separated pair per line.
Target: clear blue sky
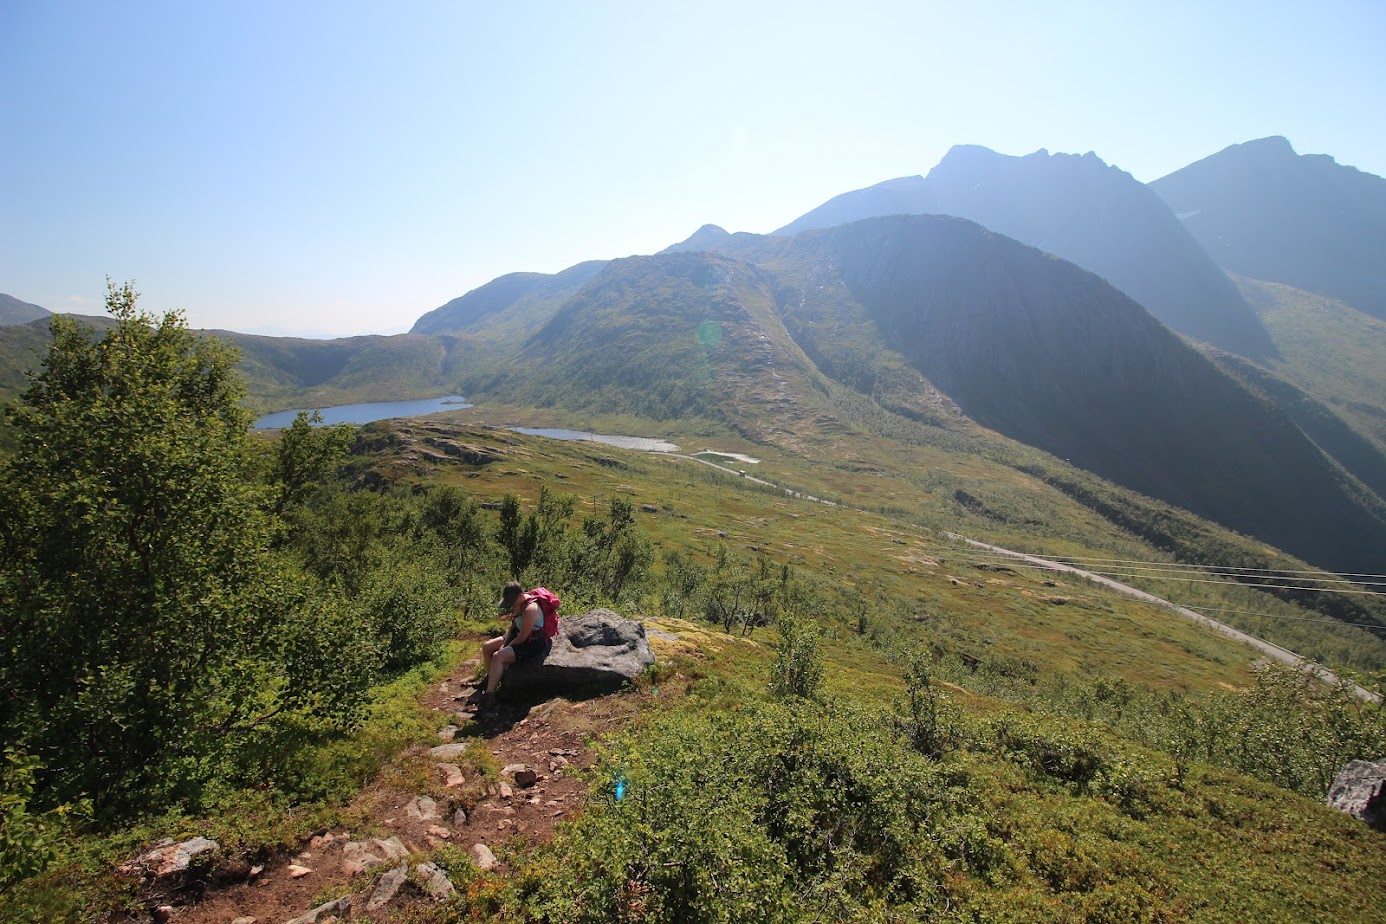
x,y
332,168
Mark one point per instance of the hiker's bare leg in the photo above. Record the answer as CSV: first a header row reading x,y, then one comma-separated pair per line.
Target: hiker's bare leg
x,y
489,649
499,661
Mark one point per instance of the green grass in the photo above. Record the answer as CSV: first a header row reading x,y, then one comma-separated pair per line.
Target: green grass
x,y
914,582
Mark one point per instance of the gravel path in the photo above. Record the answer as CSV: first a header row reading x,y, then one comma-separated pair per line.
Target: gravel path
x,y
1261,645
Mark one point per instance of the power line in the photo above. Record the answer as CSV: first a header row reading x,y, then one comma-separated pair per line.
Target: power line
x,y
1078,559
1185,579
1159,570
1338,622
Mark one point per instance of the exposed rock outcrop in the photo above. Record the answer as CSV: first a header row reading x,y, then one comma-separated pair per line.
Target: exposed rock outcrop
x,y
1360,790
333,910
595,650
169,859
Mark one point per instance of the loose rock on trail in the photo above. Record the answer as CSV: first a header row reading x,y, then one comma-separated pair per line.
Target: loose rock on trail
x,y
435,794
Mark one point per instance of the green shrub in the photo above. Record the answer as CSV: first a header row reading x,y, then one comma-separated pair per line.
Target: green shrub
x,y
797,668
1063,751
777,813
28,841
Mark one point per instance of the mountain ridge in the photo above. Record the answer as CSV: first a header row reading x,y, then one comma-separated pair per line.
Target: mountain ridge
x,y
1081,209
14,311
1263,211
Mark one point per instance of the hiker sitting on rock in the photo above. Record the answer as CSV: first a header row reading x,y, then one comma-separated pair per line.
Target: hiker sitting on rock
x,y
524,640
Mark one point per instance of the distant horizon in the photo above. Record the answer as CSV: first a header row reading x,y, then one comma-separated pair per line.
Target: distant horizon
x,y
327,170
274,330
321,334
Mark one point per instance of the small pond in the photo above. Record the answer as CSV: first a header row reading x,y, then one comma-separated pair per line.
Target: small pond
x,y
623,442
365,413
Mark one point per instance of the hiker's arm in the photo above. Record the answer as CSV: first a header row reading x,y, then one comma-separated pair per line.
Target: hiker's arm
x,y
527,620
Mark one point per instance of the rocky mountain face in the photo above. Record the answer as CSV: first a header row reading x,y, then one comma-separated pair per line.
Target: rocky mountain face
x,y
1080,209
13,311
1263,211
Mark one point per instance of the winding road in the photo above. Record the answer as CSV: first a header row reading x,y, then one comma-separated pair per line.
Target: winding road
x,y
1261,645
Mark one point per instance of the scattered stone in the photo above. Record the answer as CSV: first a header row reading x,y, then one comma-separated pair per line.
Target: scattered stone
x,y
436,882
598,649
298,872
1058,601
526,777
448,732
388,885
357,858
504,791
439,831
168,858
163,913
392,848
459,818
422,808
1360,790
338,906
448,751
256,870
648,508
511,769
245,920
452,775
320,840
485,859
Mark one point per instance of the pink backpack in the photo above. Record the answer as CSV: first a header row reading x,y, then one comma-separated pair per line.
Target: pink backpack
x,y
548,602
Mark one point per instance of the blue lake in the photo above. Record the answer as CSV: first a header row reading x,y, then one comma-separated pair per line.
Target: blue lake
x,y
365,413
624,442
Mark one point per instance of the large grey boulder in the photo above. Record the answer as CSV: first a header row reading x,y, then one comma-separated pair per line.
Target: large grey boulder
x,y
1360,790
596,650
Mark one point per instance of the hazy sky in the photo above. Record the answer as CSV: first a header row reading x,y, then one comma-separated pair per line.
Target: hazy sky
x,y
331,168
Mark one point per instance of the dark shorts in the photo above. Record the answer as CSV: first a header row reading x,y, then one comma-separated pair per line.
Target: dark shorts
x,y
536,647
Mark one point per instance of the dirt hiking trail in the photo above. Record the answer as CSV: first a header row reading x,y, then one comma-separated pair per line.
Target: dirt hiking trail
x,y
489,785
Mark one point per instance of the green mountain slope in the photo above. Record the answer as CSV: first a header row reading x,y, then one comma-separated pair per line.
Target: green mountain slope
x,y
1335,436
1330,350
1263,211
514,304
923,314
14,311
1053,357
1080,209
672,336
